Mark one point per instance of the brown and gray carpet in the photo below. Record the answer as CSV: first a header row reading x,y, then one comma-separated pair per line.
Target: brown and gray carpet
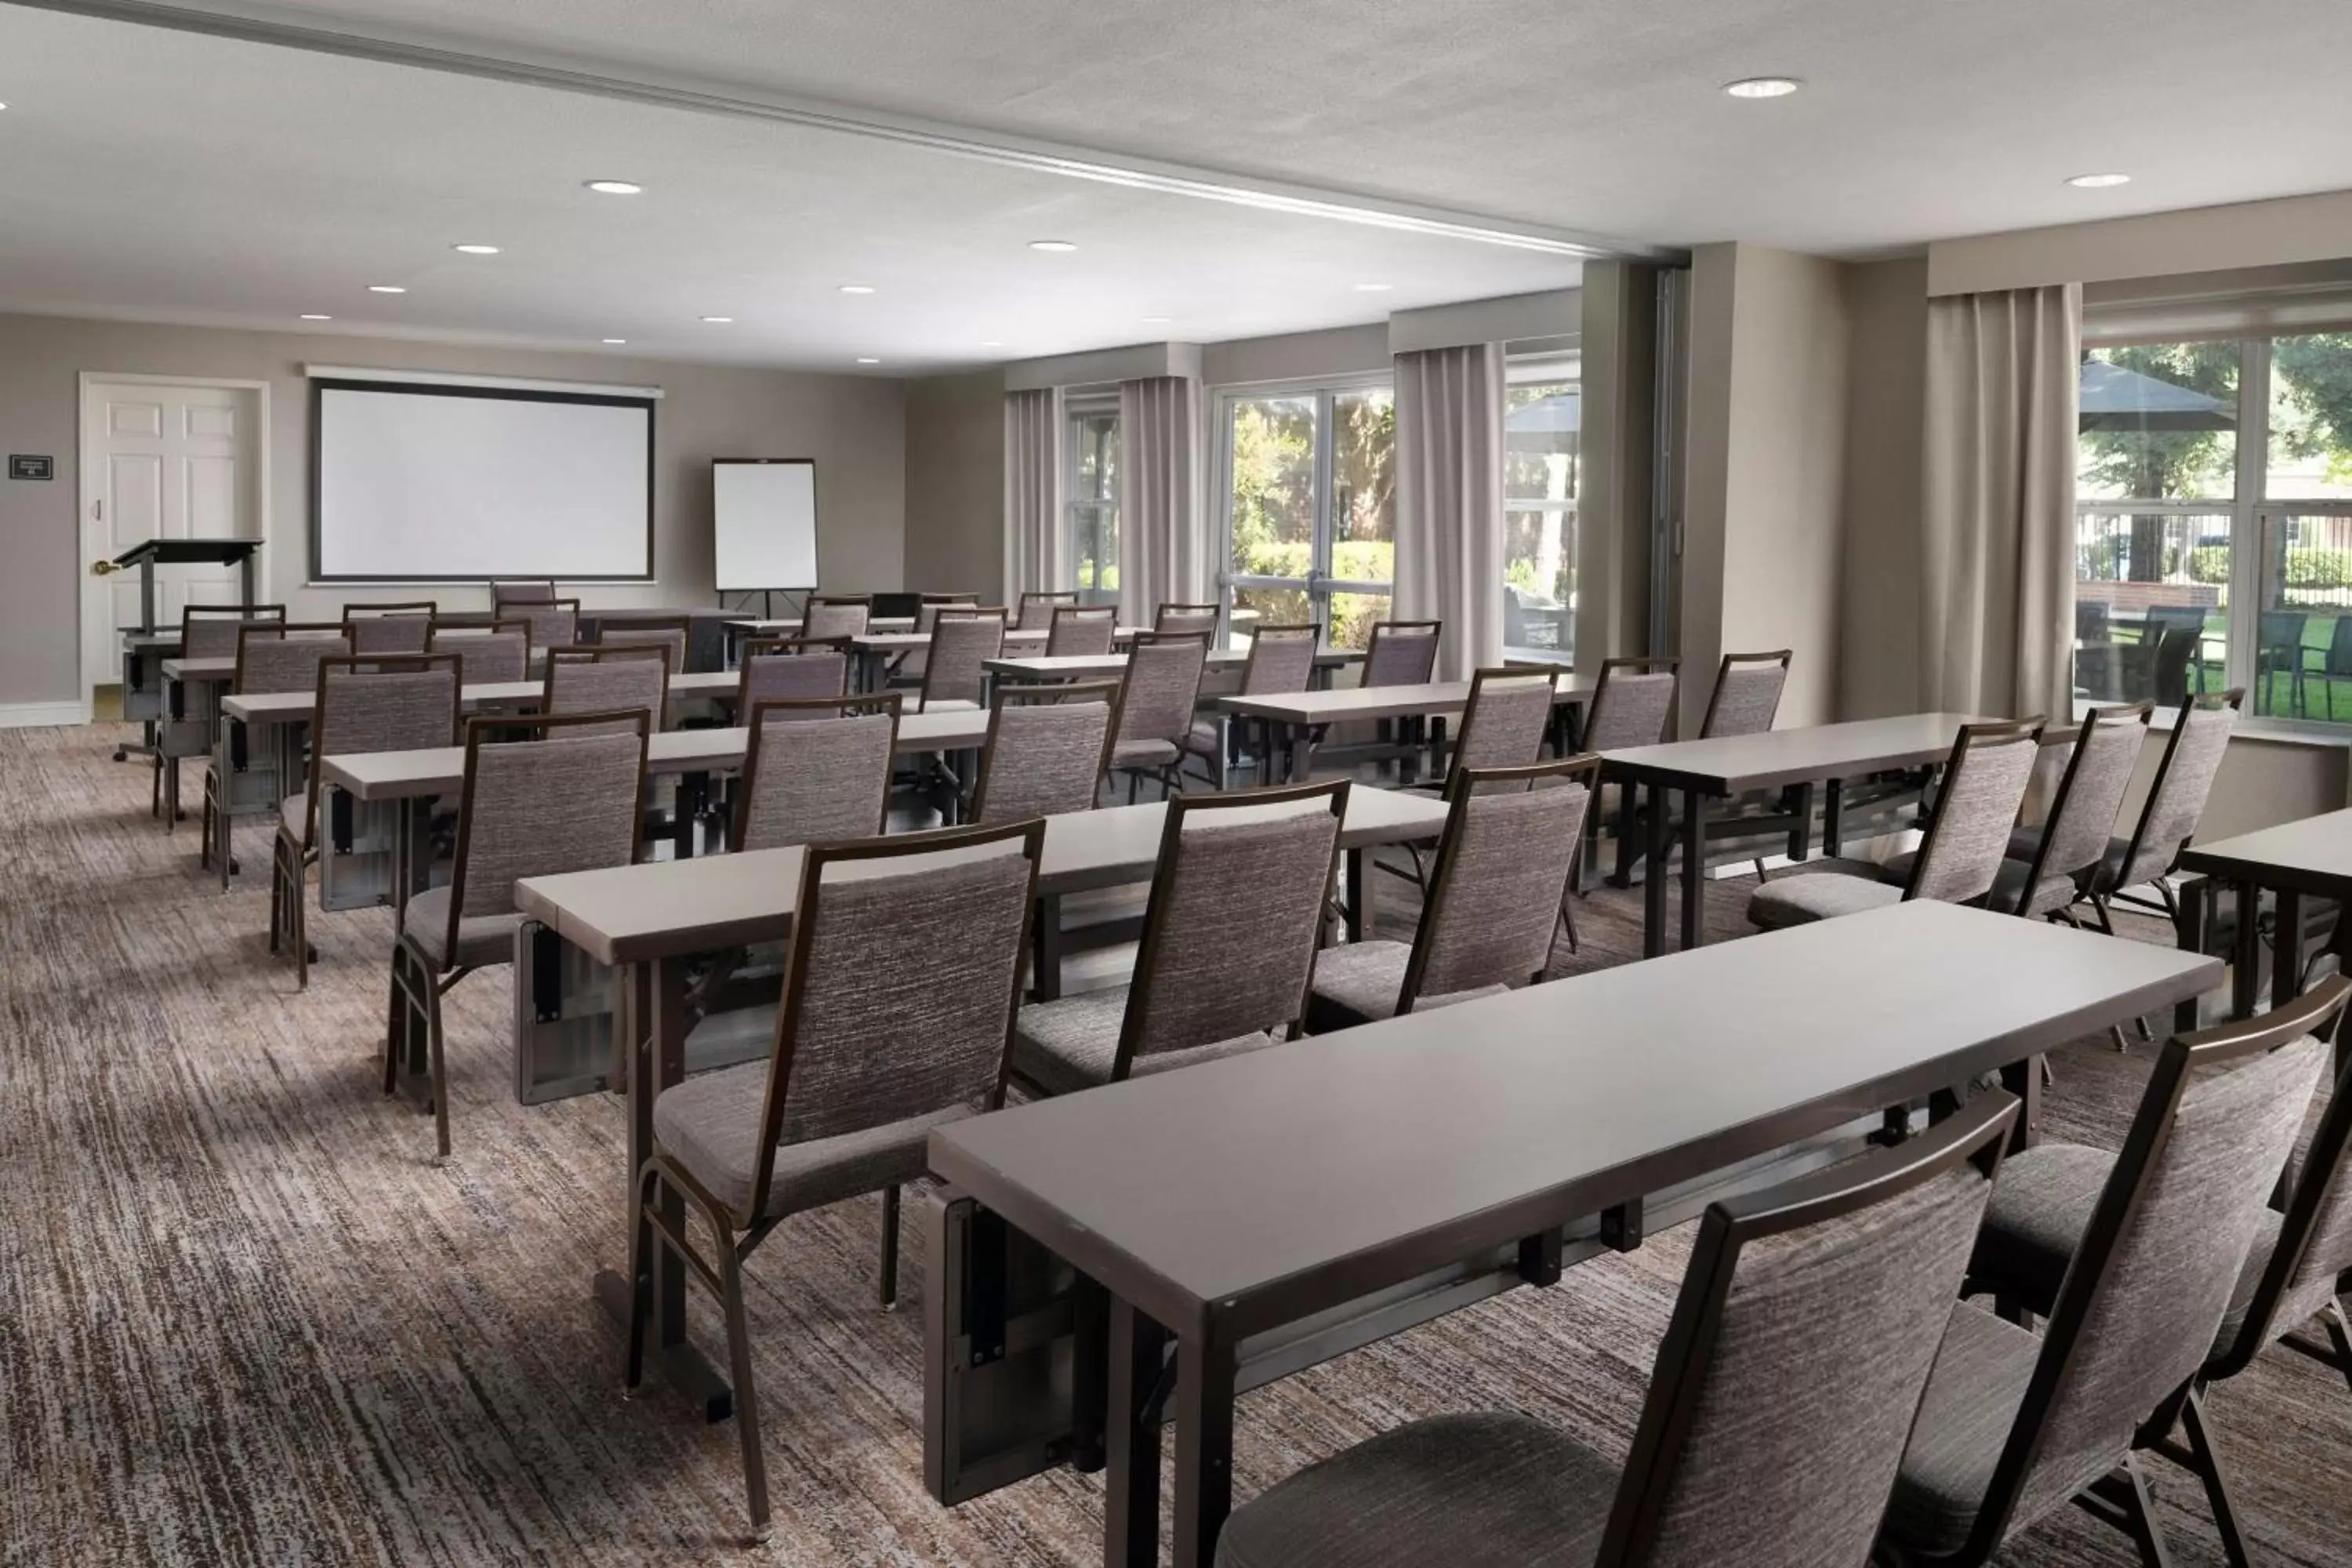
x,y
243,1320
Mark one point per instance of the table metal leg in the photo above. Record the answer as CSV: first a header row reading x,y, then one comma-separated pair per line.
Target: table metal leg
x,y
652,1033
2286,949
1204,1447
1359,904
1131,1485
1800,826
1654,882
1694,868
1046,961
2196,905
1833,816
2245,962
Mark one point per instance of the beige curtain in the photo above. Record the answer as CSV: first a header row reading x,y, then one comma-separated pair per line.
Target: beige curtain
x,y
1037,547
1449,511
1997,521
1164,554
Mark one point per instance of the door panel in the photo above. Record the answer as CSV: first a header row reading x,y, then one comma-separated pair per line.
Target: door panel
x,y
134,498
211,481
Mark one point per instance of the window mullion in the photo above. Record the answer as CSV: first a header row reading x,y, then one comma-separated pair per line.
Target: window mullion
x,y
2246,564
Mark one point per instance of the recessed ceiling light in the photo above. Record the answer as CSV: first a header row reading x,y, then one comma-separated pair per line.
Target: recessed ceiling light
x,y
1762,87
857,287
864,359
313,316
475,249
1056,246
718,321
386,289
616,341
992,342
1374,288
2098,182
1157,321
614,188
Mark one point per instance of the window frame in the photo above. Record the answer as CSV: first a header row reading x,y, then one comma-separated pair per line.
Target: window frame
x,y
1550,366
1319,583
1077,409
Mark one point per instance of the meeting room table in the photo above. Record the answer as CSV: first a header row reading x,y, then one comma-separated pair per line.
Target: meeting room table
x,y
1265,1212
2296,860
1296,720
650,919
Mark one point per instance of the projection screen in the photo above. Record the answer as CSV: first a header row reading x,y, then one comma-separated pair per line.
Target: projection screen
x,y
429,482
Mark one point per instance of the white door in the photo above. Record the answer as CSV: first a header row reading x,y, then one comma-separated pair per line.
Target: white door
x,y
162,461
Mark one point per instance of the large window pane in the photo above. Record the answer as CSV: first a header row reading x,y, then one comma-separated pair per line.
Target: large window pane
x,y
1363,487
2311,419
1540,477
2158,634
2303,644
2159,422
1093,504
1273,487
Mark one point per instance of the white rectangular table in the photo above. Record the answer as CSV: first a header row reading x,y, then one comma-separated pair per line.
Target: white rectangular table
x,y
647,918
1294,719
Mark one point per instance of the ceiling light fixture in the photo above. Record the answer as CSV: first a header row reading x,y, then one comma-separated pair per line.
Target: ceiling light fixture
x,y
718,321
614,188
1762,87
313,316
863,359
2097,182
1157,321
386,289
616,341
1053,247
1374,288
475,249
857,287
992,342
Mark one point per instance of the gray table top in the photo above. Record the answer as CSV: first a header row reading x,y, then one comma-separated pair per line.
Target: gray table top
x,y
279,707
1365,702
1266,1186
787,628
2313,856
660,909
1735,763
1070,665
441,770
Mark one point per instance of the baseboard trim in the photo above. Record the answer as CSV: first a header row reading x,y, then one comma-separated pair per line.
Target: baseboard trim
x,y
31,715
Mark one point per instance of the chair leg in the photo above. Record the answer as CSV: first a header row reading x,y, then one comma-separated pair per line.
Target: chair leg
x,y
433,988
891,1249
2205,1460
276,891
1567,923
2099,907
747,1399
641,1281
298,923
2339,1334
2138,1515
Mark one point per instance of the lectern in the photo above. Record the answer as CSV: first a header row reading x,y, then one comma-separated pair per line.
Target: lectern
x,y
186,553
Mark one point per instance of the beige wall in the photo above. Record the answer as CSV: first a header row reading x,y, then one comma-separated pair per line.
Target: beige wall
x,y
2261,784
1878,600
853,427
1618,327
1293,356
955,484
2200,239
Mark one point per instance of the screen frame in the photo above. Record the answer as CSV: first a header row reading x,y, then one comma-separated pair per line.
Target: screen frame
x,y
321,385
816,535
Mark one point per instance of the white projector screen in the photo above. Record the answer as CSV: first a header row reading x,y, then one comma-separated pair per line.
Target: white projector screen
x,y
416,482
764,523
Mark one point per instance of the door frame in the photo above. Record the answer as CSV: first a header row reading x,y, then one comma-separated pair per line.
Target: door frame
x,y
86,491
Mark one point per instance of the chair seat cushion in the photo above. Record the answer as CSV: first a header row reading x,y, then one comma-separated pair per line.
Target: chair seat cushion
x,y
1143,754
943,705
482,939
710,1125
293,815
1359,983
2024,842
1972,1398
1462,1490
1206,737
1817,895
1066,1045
2039,1211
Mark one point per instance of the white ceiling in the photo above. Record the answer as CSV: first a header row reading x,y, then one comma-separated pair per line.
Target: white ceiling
x,y
190,177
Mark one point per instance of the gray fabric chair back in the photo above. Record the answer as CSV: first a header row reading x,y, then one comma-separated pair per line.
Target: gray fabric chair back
x,y
400,631
274,658
488,657
830,619
1633,703
605,679
1036,611
1503,864
1236,907
389,703
1281,661
1803,1339
1082,631
1984,786
817,771
1159,687
564,801
2176,801
1747,694
1503,722
1044,753
2145,1294
791,669
208,633
554,623
2091,796
960,643
900,989
1183,620
928,608
673,638
520,593
1401,653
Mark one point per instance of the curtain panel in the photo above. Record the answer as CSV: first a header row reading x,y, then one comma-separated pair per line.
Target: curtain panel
x,y
1449,511
1163,549
1997,516
1037,546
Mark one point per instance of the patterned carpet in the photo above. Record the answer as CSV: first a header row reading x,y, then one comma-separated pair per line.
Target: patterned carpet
x,y
244,1321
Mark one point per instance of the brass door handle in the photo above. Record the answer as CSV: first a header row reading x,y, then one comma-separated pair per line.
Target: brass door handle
x,y
104,568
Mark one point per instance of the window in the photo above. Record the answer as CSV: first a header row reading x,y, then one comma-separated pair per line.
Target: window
x,y
1540,423
1092,502
2210,474
1310,513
